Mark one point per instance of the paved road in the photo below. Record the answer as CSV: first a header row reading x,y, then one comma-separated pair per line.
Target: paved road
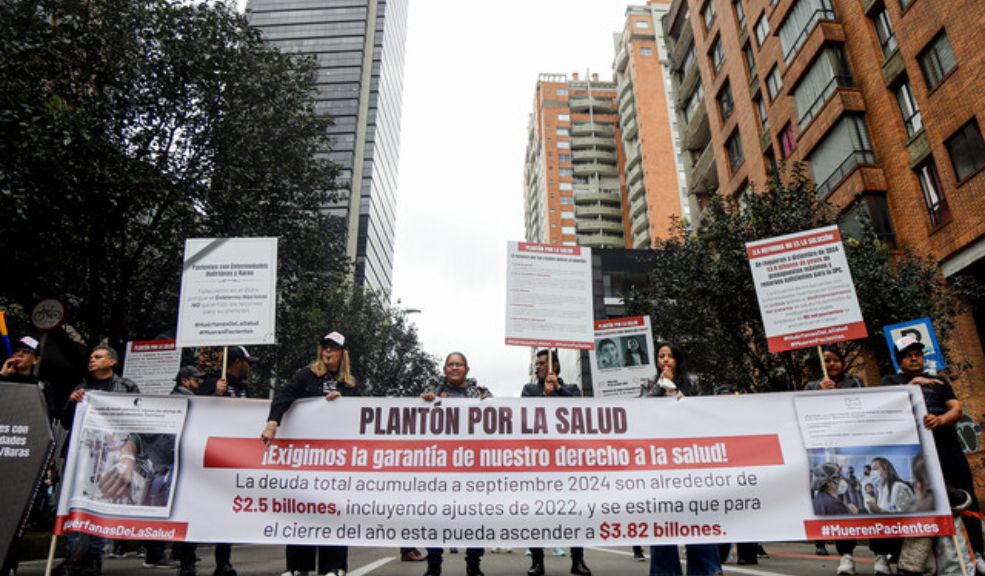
x,y
786,559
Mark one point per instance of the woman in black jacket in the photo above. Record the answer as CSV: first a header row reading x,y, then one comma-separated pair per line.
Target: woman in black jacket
x,y
329,376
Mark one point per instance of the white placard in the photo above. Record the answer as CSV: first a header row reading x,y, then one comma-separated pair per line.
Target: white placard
x,y
805,290
152,364
549,296
228,292
623,359
517,472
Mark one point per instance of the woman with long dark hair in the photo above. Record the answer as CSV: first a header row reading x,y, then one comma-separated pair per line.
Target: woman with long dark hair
x,y
673,379
329,376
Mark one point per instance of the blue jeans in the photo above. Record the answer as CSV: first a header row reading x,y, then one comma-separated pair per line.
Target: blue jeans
x,y
702,560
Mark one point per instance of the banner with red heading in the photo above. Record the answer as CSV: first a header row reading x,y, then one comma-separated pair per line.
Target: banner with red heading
x,y
805,290
520,472
549,296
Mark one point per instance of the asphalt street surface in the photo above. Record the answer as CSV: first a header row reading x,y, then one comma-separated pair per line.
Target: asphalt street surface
x,y
786,559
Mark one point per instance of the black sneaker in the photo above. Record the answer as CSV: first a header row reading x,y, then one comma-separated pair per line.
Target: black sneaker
x,y
224,570
161,563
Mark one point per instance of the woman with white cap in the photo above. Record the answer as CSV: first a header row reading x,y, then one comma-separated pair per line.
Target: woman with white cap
x,y
329,376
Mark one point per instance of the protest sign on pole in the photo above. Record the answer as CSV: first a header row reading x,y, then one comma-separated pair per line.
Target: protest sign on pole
x,y
516,472
922,330
805,290
549,296
152,364
228,292
623,359
26,445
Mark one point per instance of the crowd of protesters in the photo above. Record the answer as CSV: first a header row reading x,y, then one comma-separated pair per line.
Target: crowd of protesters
x,y
835,489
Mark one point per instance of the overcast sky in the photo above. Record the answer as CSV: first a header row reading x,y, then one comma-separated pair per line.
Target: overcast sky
x,y
469,79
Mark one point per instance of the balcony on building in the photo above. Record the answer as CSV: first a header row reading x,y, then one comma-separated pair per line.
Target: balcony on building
x,y
703,174
601,240
599,226
594,196
590,128
595,167
598,210
583,104
581,142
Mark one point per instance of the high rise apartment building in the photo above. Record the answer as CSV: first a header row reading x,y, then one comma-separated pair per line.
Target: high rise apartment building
x,y
884,100
572,186
359,48
654,172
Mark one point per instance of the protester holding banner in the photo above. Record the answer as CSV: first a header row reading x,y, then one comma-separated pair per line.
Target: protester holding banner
x,y
834,365
549,384
84,552
673,378
328,376
943,413
456,384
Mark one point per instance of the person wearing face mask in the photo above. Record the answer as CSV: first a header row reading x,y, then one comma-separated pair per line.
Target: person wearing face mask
x,y
828,487
456,384
892,496
328,376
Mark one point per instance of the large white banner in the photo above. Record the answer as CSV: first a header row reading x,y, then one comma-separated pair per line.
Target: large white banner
x,y
228,292
152,364
549,296
522,472
623,360
805,289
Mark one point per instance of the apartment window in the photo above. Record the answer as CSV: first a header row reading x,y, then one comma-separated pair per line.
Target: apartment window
x,y
693,103
717,55
933,193
642,24
567,200
885,32
568,230
564,172
762,29
771,161
908,108
564,158
788,140
725,102
799,23
646,51
740,13
562,132
564,145
818,85
733,146
764,121
876,213
565,186
708,13
564,118
562,92
750,60
967,150
774,83
688,61
936,60
845,147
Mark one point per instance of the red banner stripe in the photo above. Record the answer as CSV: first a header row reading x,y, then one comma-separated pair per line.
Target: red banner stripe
x,y
120,528
494,455
875,527
791,244
817,337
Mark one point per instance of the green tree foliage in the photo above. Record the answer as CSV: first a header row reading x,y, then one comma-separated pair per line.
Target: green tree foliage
x,y
127,126
702,296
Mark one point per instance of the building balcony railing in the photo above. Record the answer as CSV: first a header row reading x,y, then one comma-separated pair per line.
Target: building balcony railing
x,y
629,128
622,58
807,116
703,174
641,239
625,84
681,47
596,197
636,195
640,224
854,160
598,210
601,240
597,226
595,168
584,104
593,154
580,142
634,174
589,128
697,133
818,15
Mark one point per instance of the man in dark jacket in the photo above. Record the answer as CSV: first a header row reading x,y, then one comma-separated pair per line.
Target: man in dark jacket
x,y
549,384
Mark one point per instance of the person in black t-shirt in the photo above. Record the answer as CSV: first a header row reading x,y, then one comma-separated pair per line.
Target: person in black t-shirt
x,y
943,413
